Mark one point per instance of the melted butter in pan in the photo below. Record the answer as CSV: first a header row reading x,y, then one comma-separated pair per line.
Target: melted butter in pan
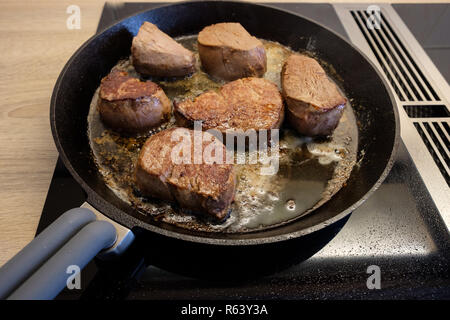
x,y
310,171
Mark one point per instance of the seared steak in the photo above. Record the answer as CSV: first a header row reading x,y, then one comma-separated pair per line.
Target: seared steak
x,y
199,186
314,103
154,53
227,51
130,105
249,103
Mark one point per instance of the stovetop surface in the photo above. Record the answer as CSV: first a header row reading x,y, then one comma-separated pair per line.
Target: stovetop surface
x,y
397,229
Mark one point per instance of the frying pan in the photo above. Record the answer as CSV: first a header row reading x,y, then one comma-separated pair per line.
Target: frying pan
x,y
372,103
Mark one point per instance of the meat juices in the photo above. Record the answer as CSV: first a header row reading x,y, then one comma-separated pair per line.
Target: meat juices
x,y
249,103
314,103
130,105
227,51
203,188
154,53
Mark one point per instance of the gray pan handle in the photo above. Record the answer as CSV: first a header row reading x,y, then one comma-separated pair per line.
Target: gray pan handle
x,y
30,258
53,275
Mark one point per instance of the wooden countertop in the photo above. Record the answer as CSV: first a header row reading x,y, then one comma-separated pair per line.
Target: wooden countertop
x,y
34,46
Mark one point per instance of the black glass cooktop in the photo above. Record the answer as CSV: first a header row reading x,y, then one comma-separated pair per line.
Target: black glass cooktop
x,y
397,230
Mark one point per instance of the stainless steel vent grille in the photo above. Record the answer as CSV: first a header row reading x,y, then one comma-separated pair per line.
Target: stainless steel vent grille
x,y
426,111
421,93
436,138
410,85
402,71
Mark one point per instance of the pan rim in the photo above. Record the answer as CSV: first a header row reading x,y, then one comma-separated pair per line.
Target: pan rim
x,y
104,206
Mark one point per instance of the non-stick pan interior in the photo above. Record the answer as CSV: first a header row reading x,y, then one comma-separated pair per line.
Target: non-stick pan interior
x,y
371,102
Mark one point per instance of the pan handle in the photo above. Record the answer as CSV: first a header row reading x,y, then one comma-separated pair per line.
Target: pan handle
x,y
124,236
54,274
39,271
32,256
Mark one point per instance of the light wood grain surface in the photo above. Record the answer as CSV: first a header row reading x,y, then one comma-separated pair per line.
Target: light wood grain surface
x,y
34,46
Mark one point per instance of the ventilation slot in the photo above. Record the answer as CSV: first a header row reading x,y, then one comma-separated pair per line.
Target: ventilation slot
x,y
436,138
405,77
427,111
410,59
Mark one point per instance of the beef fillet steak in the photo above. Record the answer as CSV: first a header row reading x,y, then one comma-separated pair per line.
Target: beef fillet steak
x,y
314,103
198,186
227,51
130,105
249,103
154,53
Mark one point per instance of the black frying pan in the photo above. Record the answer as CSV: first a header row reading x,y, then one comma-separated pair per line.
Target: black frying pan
x,y
372,103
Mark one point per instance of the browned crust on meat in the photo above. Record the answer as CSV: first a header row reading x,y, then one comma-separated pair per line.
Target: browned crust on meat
x,y
130,105
118,85
202,187
249,103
